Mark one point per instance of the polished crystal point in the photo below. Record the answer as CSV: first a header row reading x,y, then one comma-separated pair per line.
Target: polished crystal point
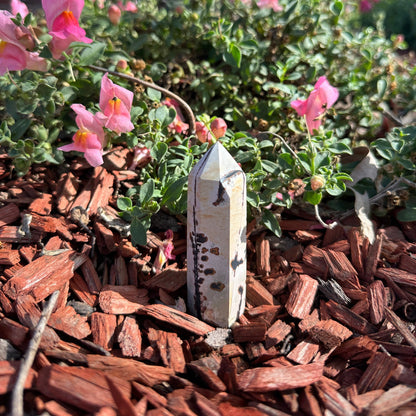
x,y
216,253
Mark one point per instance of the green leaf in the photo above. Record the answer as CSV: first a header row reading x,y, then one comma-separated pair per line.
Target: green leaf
x,y
124,204
136,112
236,53
92,53
84,87
243,157
407,164
146,191
342,176
381,87
339,148
335,190
249,44
154,95
19,127
322,160
286,160
269,166
385,153
138,232
69,93
162,114
288,89
158,151
407,215
270,221
337,7
157,70
313,197
253,198
174,190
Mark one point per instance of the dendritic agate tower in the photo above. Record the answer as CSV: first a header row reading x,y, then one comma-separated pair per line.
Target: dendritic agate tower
x,y
216,254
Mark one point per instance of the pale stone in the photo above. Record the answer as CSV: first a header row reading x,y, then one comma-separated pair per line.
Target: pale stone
x,y
216,252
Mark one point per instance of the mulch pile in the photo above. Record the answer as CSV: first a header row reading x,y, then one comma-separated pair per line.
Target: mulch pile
x,y
328,327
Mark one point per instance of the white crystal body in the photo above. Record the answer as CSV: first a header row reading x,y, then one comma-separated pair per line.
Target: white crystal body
x,y
216,251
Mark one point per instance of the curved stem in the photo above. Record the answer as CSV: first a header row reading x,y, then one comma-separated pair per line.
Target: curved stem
x,y
187,109
321,221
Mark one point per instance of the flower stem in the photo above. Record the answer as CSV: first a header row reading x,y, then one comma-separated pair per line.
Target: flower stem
x,y
320,220
312,150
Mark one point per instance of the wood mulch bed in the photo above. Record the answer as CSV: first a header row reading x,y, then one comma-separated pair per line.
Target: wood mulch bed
x,y
328,328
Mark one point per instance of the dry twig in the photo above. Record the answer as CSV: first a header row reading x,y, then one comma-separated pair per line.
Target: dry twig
x,y
27,361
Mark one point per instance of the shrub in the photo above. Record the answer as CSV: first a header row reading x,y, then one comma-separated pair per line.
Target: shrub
x,y
240,61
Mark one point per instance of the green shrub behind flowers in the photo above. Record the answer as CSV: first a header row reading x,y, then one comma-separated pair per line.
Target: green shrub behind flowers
x,y
243,61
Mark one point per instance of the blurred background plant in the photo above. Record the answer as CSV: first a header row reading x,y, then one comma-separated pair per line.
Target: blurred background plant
x,y
239,61
398,17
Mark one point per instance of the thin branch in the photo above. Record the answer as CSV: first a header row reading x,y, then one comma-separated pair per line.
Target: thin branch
x,y
187,109
27,361
324,224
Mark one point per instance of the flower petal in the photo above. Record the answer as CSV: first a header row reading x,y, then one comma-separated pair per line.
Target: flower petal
x,y
94,157
300,106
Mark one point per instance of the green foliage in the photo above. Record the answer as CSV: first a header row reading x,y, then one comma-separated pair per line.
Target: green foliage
x,y
229,60
398,17
398,156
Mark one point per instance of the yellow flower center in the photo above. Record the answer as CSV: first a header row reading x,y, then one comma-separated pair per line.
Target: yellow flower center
x,y
2,46
69,18
80,138
115,104
64,20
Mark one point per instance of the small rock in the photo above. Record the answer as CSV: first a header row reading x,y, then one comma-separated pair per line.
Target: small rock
x,y
81,307
219,337
8,352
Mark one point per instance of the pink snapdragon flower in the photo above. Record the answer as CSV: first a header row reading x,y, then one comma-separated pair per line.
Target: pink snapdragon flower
x,y
218,127
216,130
128,7
365,6
114,14
270,4
115,103
165,253
62,19
322,97
178,125
141,157
202,132
90,137
18,6
13,43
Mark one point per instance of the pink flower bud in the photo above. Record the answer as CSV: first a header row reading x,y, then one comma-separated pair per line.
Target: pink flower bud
x,y
141,157
114,14
317,182
128,7
218,127
122,65
202,132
